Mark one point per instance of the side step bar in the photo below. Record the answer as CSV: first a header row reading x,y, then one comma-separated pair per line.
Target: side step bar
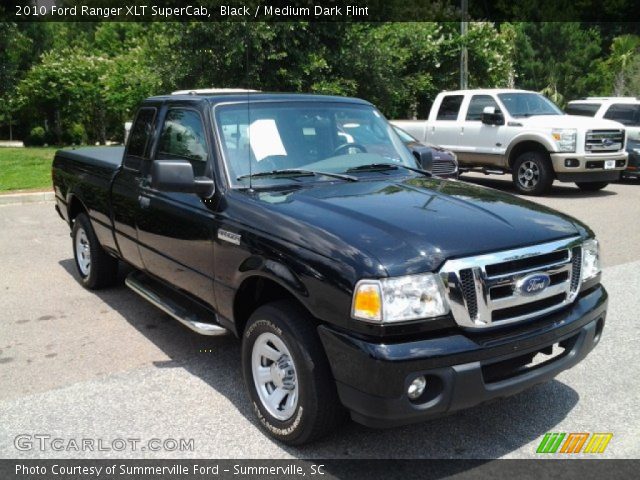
x,y
186,311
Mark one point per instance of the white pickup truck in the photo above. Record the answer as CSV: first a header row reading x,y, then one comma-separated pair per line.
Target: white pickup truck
x,y
522,132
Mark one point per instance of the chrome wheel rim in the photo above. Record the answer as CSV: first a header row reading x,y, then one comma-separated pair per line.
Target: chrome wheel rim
x,y
528,174
83,252
274,376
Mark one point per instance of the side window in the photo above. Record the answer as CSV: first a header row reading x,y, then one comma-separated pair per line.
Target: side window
x,y
183,136
583,109
450,107
139,138
626,113
478,104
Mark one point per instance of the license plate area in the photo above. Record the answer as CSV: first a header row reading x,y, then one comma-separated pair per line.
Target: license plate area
x,y
609,164
521,364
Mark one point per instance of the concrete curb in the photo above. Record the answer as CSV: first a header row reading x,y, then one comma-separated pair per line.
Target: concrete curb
x,y
29,197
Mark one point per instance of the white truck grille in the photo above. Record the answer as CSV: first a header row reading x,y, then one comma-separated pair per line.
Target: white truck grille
x,y
600,141
514,285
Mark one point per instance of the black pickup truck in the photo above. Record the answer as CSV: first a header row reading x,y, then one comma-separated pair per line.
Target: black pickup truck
x,y
358,283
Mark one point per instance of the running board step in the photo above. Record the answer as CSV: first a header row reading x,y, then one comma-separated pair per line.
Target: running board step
x,y
183,309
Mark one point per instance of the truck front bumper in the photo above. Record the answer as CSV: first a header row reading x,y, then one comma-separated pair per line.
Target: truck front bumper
x,y
571,167
461,369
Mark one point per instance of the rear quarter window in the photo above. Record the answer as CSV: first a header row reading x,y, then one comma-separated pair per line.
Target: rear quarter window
x,y
140,138
449,107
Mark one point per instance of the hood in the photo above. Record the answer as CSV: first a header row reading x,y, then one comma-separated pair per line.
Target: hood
x,y
568,121
403,225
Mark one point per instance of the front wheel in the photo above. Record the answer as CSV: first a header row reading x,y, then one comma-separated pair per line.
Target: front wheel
x,y
591,186
288,376
532,173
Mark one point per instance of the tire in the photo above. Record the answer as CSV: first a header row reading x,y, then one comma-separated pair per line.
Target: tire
x,y
591,186
298,374
532,173
97,269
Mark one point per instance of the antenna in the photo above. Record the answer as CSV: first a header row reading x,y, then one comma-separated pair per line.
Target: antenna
x,y
246,81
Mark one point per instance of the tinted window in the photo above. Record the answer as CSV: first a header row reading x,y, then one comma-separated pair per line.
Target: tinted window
x,y
449,107
625,113
478,104
583,109
139,138
183,137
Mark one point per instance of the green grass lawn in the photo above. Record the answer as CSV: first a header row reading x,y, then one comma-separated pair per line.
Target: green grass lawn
x,y
27,168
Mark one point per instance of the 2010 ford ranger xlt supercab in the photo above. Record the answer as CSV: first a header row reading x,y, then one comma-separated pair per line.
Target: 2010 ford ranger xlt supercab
x,y
357,283
525,134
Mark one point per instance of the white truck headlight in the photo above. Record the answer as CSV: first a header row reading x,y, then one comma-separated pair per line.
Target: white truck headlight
x,y
565,139
590,259
399,299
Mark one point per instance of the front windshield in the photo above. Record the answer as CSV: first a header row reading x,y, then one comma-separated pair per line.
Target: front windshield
x,y
527,104
327,137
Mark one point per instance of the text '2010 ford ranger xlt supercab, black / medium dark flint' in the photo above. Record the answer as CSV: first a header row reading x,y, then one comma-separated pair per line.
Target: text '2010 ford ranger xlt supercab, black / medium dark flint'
x,y
357,282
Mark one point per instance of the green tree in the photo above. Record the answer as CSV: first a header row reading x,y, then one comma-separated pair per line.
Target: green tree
x,y
625,51
558,56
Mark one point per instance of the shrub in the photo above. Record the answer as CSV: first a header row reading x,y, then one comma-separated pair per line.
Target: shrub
x,y
36,137
75,135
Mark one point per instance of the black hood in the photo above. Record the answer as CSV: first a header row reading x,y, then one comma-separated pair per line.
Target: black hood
x,y
403,225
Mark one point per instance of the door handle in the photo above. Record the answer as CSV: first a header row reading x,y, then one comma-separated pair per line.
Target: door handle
x,y
144,182
144,201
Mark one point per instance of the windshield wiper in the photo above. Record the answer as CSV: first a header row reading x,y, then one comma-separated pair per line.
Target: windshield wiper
x,y
381,167
295,172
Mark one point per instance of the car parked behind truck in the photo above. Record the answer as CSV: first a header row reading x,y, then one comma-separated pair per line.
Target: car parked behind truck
x,y
357,282
525,134
625,110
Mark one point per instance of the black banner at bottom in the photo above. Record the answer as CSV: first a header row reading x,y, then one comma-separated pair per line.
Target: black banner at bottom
x,y
316,469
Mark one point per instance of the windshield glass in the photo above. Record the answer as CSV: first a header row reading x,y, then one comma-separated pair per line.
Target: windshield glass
x,y
404,136
526,104
320,137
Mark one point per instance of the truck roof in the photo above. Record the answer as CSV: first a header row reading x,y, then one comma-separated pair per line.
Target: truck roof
x,y
235,96
632,100
487,91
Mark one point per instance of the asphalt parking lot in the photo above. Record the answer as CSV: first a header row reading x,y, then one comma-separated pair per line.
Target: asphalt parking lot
x,y
77,364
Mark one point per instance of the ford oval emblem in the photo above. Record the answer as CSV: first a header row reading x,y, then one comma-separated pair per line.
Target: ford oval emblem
x,y
532,284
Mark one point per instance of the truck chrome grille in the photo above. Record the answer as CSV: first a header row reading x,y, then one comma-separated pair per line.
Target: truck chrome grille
x,y
599,141
513,285
443,167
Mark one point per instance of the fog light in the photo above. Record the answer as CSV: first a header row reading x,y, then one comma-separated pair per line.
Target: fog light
x,y
417,387
572,162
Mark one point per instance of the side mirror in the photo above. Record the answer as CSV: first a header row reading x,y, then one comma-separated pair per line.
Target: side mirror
x,y
492,117
177,176
424,156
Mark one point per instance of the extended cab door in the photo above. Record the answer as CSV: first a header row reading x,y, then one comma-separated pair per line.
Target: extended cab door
x,y
481,144
175,230
125,188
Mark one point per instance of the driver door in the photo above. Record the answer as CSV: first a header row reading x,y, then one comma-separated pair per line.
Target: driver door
x,y
175,230
484,143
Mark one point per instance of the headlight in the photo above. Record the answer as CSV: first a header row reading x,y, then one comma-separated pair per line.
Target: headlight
x,y
565,139
399,299
590,259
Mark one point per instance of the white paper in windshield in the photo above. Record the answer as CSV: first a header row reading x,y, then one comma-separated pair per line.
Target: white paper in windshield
x,y
264,139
